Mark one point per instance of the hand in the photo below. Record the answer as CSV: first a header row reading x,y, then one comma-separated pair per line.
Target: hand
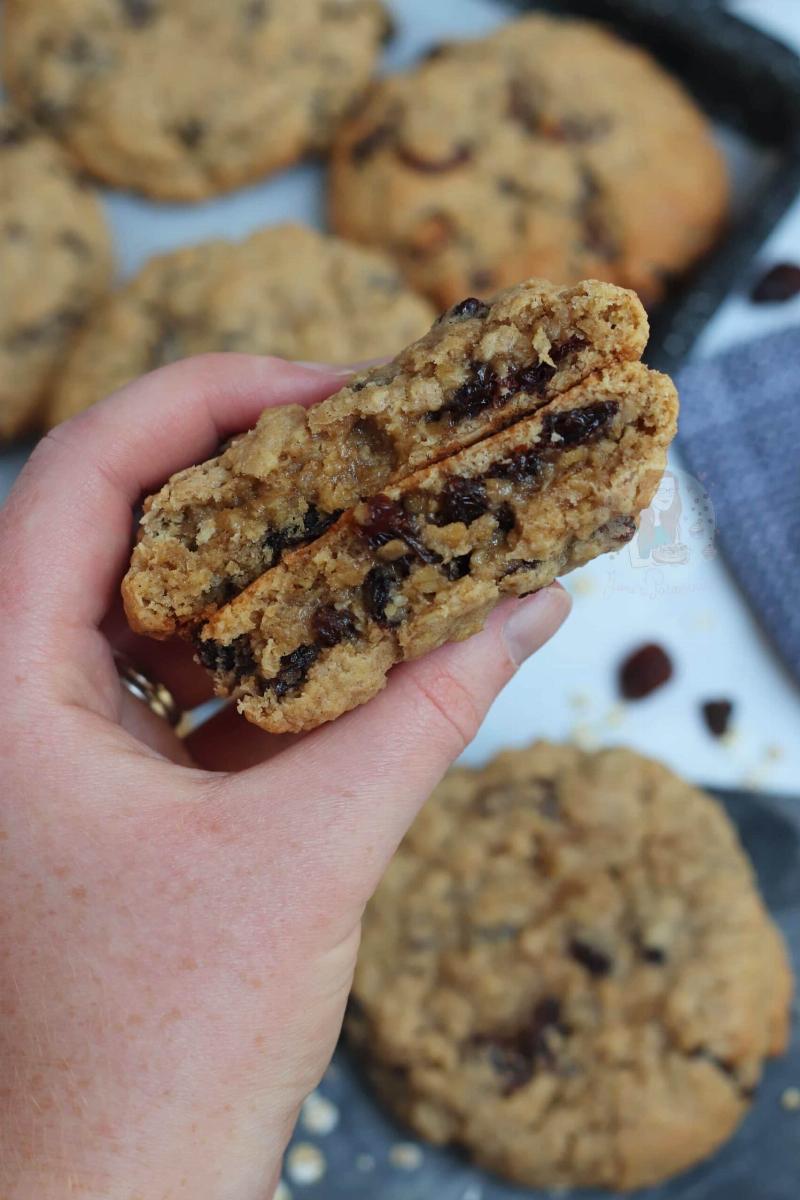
x,y
179,920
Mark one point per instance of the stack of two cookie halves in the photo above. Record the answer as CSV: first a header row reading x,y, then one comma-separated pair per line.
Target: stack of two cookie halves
x,y
517,440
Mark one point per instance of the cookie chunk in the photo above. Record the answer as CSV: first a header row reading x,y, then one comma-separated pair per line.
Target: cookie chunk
x,y
286,290
427,559
55,252
182,99
548,148
568,972
214,528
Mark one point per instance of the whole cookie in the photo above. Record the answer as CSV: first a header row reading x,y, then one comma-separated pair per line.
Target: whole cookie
x,y
55,262
549,148
286,290
568,971
182,99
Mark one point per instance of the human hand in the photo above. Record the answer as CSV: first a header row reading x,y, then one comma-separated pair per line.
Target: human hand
x,y
179,919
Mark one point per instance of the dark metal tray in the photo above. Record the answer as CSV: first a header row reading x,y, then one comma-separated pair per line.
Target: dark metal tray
x,y
762,1162
748,83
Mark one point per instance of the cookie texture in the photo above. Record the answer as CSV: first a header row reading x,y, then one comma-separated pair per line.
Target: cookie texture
x,y
568,971
214,528
426,560
182,99
286,290
548,148
56,260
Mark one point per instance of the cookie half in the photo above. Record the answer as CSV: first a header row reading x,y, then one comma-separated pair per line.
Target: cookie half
x,y
55,250
216,527
182,99
425,561
568,971
548,148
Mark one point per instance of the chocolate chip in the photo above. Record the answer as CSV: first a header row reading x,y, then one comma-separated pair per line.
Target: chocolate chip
x,y
315,522
654,955
235,658
49,113
293,670
523,107
457,568
314,525
566,349
717,716
595,960
13,132
515,1058
480,391
460,155
521,466
532,379
139,13
378,589
191,132
387,521
368,145
506,517
644,671
598,237
75,243
779,284
577,426
79,49
333,625
518,565
254,13
438,50
462,500
471,307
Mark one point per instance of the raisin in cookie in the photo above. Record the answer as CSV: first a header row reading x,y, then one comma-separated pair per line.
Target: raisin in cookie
x,y
548,148
286,290
426,560
55,256
182,99
568,971
214,528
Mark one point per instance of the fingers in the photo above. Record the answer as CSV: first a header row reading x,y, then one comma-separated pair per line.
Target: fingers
x,y
65,533
352,788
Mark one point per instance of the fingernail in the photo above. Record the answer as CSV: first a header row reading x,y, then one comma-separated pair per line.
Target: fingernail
x,y
324,368
534,621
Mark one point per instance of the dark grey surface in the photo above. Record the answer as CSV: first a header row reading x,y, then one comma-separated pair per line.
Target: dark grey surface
x,y
762,1162
740,433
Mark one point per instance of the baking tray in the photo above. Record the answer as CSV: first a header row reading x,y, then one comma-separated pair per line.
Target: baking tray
x,y
761,1162
748,83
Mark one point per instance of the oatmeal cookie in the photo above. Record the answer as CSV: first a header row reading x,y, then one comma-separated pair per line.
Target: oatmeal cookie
x,y
568,971
547,148
182,99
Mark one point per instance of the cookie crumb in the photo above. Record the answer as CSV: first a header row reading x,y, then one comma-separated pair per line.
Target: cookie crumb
x,y
584,737
730,738
407,1156
319,1115
616,715
584,585
305,1163
580,701
791,1099
774,753
365,1162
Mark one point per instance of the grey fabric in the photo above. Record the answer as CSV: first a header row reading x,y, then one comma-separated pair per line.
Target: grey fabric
x,y
740,435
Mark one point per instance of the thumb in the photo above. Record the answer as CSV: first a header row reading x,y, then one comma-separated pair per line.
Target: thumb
x,y
353,787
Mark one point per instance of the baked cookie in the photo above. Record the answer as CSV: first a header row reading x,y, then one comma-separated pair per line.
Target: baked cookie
x,y
286,290
425,561
216,527
548,148
568,971
55,263
182,99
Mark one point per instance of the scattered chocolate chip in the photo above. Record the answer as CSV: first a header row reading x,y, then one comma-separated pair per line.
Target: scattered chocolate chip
x,y
386,521
293,670
191,132
333,625
462,500
471,307
521,466
368,145
577,426
506,517
457,568
644,671
480,391
139,12
378,589
236,658
595,960
717,716
779,284
459,156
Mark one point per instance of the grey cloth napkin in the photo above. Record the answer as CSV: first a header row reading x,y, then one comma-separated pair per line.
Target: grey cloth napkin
x,y
740,434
